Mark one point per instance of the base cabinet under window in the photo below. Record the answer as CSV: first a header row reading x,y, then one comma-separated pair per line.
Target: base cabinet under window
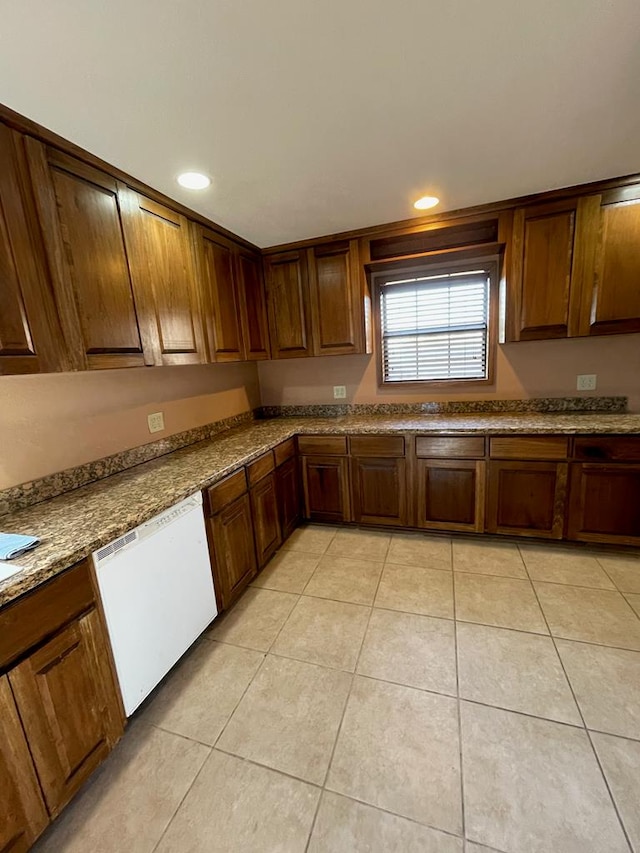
x,y
451,494
326,488
527,498
604,503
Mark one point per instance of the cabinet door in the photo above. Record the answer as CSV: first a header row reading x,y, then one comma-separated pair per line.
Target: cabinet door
x,y
253,306
337,302
451,494
379,491
266,524
539,302
69,708
22,812
288,304
220,297
80,214
233,551
611,294
325,483
604,503
164,278
527,498
288,494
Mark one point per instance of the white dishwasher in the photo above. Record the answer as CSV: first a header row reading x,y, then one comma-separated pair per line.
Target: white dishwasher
x,y
157,592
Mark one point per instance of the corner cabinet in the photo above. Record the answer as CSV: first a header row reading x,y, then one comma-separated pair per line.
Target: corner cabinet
x,y
287,283
287,486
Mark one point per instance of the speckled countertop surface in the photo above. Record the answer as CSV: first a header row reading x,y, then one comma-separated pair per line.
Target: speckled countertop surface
x,y
75,524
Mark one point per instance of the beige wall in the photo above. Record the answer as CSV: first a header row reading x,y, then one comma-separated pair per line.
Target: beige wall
x,y
531,369
52,422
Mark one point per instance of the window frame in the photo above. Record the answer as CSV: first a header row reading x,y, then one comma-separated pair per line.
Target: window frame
x,y
446,262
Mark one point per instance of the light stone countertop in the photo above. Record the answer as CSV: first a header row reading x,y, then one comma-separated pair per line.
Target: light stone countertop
x,y
73,525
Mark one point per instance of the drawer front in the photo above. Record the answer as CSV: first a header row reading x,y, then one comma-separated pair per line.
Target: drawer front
x,y
260,468
226,491
323,445
285,451
376,445
450,446
542,447
611,448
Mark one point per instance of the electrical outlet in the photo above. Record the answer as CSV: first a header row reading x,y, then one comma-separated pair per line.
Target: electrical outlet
x,y
339,392
156,422
586,382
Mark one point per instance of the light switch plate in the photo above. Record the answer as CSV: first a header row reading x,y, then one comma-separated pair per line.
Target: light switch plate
x,y
586,382
339,392
156,422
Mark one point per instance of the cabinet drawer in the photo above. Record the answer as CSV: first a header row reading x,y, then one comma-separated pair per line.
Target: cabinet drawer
x,y
285,451
618,448
260,468
227,490
332,445
542,447
450,446
27,622
376,445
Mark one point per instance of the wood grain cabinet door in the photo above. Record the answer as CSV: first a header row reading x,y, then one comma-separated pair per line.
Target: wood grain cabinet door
x,y
68,707
604,503
164,278
325,482
451,494
253,306
288,495
337,302
527,498
379,488
232,546
22,811
286,278
81,219
266,524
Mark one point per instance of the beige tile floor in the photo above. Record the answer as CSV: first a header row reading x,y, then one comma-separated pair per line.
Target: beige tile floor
x,y
377,692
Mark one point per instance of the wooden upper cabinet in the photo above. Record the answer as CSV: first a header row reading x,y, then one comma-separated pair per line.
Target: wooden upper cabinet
x,y
253,306
162,264
288,304
335,284
30,336
80,216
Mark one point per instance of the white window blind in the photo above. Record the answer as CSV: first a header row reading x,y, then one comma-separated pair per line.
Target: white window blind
x,y
435,327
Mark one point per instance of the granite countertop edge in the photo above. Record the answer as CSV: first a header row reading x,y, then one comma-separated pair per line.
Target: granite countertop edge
x,y
75,524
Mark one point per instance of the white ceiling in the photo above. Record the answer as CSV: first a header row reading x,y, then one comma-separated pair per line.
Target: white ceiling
x,y
315,116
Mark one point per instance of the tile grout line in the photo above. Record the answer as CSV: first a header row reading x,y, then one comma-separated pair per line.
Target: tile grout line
x,y
459,707
584,724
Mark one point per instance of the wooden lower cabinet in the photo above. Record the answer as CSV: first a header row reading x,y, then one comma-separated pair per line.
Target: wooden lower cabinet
x,y
379,488
266,524
22,811
325,482
232,550
451,494
288,496
527,498
604,503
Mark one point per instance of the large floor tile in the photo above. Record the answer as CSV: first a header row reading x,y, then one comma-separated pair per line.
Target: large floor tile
x,y
128,803
634,601
623,570
344,826
311,538
564,565
288,571
488,558
236,806
418,651
513,670
534,786
411,549
345,579
398,749
199,696
502,602
360,545
255,620
415,589
607,686
594,615
289,718
620,760
325,632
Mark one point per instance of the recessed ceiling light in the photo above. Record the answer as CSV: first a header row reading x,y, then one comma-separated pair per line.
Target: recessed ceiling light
x,y
426,202
194,180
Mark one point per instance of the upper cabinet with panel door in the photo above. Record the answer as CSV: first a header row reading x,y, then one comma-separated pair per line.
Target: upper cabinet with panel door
x,y
287,283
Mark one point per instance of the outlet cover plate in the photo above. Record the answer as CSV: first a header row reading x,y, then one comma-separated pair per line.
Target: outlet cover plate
x,y
339,392
586,382
156,422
